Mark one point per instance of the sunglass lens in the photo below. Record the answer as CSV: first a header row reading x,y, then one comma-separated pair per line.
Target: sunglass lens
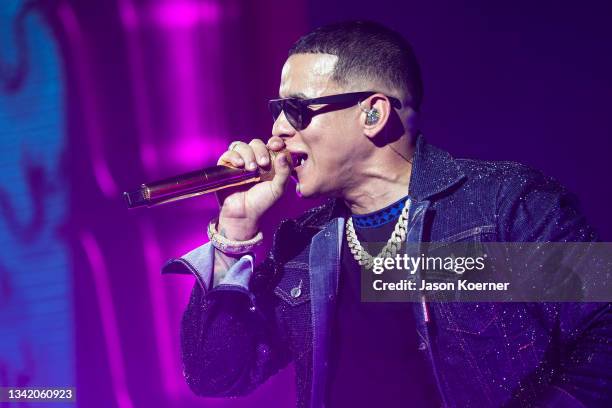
x,y
276,107
293,112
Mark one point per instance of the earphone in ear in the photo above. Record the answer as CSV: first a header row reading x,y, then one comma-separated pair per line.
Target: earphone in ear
x,y
372,115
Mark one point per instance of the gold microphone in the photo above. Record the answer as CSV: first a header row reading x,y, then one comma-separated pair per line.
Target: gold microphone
x,y
199,182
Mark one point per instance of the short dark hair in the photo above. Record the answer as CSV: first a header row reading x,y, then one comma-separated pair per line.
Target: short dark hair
x,y
366,49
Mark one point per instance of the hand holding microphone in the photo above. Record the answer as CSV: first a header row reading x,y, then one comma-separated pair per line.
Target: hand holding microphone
x,y
242,206
248,178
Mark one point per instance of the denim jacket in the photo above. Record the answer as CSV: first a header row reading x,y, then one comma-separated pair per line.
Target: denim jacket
x,y
259,319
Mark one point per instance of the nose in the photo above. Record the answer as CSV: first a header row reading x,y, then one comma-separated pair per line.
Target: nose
x,y
282,128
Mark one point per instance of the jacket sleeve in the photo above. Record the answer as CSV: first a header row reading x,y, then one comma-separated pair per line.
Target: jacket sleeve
x,y
230,341
531,208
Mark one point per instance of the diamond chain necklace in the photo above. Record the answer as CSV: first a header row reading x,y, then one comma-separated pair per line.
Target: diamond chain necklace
x,y
389,250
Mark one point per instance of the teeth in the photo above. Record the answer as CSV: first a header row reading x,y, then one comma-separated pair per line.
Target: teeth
x,y
302,161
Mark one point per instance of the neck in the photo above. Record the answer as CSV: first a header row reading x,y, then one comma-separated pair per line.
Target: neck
x,y
381,181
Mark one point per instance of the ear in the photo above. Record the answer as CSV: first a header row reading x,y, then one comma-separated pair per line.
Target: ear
x,y
375,114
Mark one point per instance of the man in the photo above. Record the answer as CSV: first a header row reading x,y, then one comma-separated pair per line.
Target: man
x,y
350,94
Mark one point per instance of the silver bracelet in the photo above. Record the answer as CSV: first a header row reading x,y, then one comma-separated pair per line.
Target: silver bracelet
x,y
229,246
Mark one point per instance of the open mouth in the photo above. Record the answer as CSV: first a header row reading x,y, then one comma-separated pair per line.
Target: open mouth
x,y
299,159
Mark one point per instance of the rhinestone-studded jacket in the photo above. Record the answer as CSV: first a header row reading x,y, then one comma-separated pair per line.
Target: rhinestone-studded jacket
x,y
238,334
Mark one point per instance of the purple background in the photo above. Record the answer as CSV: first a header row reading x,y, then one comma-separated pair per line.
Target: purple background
x,y
154,88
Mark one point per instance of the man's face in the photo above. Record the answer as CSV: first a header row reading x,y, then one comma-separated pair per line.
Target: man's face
x,y
330,138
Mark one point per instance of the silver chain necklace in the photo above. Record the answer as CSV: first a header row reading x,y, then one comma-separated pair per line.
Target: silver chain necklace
x,y
389,250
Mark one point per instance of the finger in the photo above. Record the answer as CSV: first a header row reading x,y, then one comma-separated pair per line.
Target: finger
x,y
231,158
246,153
281,175
262,155
276,143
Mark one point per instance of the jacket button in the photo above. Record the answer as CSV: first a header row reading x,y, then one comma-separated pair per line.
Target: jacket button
x,y
296,292
422,346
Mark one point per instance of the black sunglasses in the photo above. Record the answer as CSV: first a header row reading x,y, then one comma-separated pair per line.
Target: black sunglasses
x,y
299,116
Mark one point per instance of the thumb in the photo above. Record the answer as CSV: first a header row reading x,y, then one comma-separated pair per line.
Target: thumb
x,y
281,174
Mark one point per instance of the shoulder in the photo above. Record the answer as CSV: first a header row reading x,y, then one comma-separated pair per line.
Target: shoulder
x,y
506,173
509,180
529,205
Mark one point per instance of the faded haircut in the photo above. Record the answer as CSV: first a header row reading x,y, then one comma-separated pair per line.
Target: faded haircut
x,y
367,50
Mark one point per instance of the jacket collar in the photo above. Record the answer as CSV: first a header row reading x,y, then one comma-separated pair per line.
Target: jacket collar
x,y
433,172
